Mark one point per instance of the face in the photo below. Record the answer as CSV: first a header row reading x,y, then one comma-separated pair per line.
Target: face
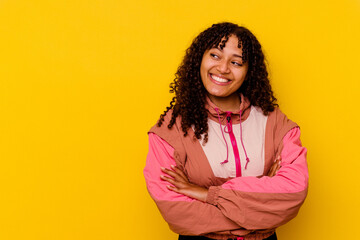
x,y
223,71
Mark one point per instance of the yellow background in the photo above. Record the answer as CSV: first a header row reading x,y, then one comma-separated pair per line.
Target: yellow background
x,y
81,82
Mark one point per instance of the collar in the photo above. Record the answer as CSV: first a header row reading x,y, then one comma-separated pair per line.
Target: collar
x,y
244,108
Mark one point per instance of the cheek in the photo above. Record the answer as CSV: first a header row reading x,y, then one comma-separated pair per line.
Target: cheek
x,y
206,64
241,75
203,71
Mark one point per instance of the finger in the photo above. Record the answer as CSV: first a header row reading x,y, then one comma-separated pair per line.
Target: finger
x,y
172,173
274,168
172,188
278,167
169,179
179,185
271,171
181,173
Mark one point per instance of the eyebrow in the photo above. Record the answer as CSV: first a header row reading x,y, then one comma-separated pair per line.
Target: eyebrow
x,y
235,55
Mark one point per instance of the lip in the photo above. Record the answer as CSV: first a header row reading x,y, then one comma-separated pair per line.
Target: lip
x,y
219,83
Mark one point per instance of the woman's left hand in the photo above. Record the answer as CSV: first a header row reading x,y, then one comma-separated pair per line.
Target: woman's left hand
x,y
182,184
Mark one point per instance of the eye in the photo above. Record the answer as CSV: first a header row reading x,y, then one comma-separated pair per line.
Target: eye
x,y
237,64
213,55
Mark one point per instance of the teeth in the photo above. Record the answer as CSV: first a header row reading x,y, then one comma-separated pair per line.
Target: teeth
x,y
223,80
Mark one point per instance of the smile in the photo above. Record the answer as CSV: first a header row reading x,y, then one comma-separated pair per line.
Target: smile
x,y
219,80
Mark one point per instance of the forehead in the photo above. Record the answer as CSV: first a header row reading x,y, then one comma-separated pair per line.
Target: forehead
x,y
232,43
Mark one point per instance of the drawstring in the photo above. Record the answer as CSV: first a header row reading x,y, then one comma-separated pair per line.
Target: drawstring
x,y
242,143
227,148
241,139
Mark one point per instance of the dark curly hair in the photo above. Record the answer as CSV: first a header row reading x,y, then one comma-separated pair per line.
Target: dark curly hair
x,y
190,93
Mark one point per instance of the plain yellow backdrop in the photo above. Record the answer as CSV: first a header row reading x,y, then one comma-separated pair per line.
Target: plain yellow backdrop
x,y
81,82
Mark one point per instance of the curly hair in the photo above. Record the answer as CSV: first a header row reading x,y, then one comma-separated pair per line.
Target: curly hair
x,y
190,93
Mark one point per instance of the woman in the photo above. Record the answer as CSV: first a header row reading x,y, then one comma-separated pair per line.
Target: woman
x,y
224,162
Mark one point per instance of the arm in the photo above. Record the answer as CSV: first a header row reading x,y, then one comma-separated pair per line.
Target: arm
x,y
184,215
266,202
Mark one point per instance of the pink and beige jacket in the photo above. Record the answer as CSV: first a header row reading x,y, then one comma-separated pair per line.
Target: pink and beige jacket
x,y
240,203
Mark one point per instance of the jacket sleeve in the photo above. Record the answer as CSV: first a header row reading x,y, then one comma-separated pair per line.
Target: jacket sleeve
x,y
184,215
267,202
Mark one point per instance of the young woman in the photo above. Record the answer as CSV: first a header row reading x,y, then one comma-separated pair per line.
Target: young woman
x,y
224,162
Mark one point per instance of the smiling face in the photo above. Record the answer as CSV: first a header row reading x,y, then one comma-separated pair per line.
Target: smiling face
x,y
223,71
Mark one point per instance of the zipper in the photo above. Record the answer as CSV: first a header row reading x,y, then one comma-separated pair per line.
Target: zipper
x,y
234,144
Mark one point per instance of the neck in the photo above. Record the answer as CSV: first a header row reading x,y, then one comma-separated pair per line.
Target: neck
x,y
230,103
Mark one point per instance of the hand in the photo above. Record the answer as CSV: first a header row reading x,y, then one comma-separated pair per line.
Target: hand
x,y
275,167
182,184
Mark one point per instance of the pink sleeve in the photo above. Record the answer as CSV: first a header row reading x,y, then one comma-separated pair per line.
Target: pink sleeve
x,y
184,215
267,202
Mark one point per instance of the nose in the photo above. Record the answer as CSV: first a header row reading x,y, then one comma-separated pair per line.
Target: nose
x,y
223,67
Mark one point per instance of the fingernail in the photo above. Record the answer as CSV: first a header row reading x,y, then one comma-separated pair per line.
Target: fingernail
x,y
162,168
172,166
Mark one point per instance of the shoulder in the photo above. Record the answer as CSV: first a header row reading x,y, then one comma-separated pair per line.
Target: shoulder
x,y
275,118
279,124
170,135
164,125
280,119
